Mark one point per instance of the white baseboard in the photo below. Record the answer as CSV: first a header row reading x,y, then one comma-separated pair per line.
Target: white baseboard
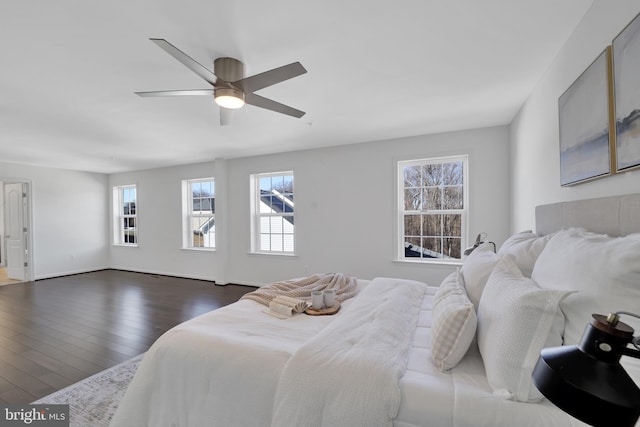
x,y
164,273
244,283
68,273
145,271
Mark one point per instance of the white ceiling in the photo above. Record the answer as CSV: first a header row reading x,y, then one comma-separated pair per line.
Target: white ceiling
x,y
376,70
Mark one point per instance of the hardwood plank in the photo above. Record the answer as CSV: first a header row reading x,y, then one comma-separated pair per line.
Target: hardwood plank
x,y
16,395
5,385
24,380
54,380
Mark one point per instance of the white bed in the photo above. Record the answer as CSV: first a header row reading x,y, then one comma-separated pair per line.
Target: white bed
x,y
238,367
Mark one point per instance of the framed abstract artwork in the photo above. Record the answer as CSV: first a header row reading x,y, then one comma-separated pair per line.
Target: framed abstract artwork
x,y
626,72
585,112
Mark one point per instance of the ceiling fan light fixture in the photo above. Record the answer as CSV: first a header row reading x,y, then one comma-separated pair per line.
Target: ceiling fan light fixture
x,y
229,98
230,88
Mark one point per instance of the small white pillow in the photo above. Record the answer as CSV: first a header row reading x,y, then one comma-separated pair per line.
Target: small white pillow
x,y
453,324
516,319
525,246
450,284
476,270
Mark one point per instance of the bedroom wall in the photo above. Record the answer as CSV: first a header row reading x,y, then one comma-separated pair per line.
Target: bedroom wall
x,y
345,203
159,203
70,213
344,210
535,157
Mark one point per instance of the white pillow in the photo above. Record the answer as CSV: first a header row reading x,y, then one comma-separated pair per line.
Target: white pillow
x,y
453,324
476,269
516,319
604,270
525,246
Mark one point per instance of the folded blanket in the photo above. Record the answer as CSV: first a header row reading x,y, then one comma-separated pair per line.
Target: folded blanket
x,y
348,374
346,287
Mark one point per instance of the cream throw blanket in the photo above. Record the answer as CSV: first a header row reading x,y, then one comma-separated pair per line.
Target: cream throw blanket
x,y
346,287
348,374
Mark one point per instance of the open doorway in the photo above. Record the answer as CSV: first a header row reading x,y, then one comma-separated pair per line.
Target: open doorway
x,y
15,232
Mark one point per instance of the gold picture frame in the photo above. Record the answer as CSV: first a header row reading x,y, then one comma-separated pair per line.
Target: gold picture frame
x,y
626,77
586,117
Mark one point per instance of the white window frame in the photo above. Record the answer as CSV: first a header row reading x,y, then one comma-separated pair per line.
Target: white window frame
x,y
258,218
401,211
119,217
188,239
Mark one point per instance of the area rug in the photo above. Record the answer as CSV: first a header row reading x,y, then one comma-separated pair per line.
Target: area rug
x,y
94,400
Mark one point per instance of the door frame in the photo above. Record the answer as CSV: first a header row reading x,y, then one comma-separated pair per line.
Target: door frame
x,y
28,216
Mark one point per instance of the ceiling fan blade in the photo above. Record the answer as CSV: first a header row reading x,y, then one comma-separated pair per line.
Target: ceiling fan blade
x,y
186,60
226,115
271,77
262,102
192,92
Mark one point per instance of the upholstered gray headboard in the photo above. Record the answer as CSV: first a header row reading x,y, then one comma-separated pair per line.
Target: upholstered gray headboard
x,y
615,215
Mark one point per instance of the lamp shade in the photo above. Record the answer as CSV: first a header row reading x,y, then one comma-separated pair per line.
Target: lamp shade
x,y
587,380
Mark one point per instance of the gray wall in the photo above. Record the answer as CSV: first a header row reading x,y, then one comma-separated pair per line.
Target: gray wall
x,y
535,152
345,212
346,205
159,204
70,214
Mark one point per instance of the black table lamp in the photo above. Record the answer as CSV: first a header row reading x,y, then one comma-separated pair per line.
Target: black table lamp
x,y
587,380
478,242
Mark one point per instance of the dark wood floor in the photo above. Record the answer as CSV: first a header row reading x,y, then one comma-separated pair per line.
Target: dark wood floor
x,y
55,332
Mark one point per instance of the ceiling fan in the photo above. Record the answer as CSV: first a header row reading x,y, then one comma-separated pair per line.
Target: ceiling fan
x,y
231,89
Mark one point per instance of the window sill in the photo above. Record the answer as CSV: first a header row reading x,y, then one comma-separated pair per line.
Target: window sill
x,y
456,263
283,254
123,245
199,249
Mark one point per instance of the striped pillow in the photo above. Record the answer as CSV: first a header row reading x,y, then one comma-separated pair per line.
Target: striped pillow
x,y
453,324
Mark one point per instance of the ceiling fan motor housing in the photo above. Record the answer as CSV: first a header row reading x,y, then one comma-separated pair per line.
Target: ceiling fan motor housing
x,y
228,69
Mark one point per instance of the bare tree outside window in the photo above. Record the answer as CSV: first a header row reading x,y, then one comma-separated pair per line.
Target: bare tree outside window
x,y
433,208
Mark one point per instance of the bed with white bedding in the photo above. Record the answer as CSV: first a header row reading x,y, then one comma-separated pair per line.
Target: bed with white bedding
x,y
380,362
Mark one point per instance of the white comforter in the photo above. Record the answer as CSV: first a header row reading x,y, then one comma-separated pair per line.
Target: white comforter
x,y
222,369
348,374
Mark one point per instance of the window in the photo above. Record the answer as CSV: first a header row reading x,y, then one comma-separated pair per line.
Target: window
x,y
200,208
432,209
273,227
125,218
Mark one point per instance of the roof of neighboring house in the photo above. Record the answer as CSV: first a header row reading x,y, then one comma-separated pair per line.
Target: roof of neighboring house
x,y
279,202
